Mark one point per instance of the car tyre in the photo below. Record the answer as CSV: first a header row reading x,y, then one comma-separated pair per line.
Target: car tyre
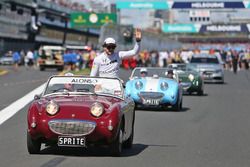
x,y
34,146
42,68
129,142
178,105
116,146
60,69
200,92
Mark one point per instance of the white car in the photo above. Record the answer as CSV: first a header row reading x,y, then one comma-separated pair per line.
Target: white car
x,y
6,60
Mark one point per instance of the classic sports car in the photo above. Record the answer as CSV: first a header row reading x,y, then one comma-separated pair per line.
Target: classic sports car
x,y
76,111
190,80
6,60
209,66
51,57
151,87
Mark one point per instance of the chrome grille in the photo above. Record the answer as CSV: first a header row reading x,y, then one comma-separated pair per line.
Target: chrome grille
x,y
151,95
186,85
208,72
71,127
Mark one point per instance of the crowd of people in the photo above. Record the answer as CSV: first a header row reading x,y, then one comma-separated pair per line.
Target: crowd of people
x,y
27,58
155,58
77,60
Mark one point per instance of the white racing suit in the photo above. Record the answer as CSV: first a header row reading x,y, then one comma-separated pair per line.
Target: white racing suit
x,y
108,65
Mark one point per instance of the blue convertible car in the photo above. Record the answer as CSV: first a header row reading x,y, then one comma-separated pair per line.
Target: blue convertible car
x,y
155,87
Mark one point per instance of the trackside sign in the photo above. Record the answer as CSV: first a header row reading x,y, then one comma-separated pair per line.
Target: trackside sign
x,y
141,5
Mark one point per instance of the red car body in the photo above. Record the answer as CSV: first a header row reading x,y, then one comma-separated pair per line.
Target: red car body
x,y
74,119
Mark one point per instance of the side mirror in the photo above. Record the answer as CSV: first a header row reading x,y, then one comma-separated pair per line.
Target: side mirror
x,y
36,97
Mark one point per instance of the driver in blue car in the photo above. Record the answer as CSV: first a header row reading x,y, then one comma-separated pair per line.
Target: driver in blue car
x,y
170,74
107,64
144,72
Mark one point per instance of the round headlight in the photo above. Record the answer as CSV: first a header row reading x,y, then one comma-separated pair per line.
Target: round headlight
x,y
138,85
164,86
191,77
52,108
96,109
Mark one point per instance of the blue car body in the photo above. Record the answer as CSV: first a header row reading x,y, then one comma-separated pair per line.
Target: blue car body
x,y
154,91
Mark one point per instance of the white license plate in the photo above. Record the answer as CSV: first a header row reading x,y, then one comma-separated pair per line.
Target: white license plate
x,y
50,62
71,141
151,101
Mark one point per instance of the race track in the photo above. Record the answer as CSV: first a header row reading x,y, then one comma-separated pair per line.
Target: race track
x,y
210,131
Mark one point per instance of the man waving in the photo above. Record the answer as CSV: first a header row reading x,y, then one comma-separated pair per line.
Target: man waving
x,y
107,64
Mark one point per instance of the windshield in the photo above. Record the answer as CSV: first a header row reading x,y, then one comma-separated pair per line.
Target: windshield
x,y
179,67
82,85
160,72
205,60
182,68
51,54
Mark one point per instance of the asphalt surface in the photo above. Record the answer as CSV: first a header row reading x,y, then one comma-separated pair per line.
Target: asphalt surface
x,y
211,131
17,83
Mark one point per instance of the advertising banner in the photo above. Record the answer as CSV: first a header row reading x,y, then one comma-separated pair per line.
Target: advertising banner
x,y
141,5
213,28
236,28
181,28
208,5
80,19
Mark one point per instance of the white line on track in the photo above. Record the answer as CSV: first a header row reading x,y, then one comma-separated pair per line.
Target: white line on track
x,y
16,106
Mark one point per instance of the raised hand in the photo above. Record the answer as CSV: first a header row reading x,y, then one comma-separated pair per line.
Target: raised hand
x,y
138,35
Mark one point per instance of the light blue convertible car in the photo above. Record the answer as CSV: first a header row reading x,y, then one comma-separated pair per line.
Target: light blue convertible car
x,y
157,87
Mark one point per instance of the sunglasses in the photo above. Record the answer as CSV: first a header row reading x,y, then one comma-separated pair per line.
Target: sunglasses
x,y
109,47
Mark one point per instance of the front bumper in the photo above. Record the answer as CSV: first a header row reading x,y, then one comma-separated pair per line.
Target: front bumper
x,y
51,66
194,86
155,99
213,78
98,131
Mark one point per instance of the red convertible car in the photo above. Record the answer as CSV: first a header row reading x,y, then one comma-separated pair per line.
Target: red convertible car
x,y
76,111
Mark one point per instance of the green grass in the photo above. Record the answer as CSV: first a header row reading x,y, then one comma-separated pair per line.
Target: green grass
x,y
85,71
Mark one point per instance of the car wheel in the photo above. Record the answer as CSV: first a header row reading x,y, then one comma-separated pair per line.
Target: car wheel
x,y
129,142
116,146
42,68
181,105
60,69
200,92
33,146
178,105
